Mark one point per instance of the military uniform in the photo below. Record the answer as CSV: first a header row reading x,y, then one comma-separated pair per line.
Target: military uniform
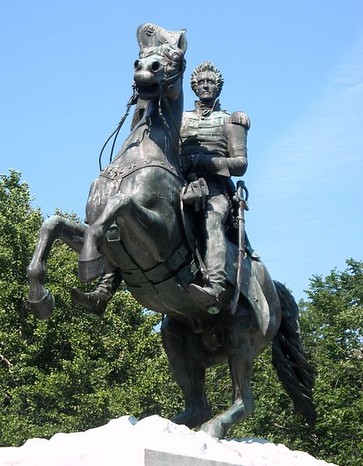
x,y
214,147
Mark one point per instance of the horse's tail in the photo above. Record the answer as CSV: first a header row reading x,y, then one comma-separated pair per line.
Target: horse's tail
x,y
294,371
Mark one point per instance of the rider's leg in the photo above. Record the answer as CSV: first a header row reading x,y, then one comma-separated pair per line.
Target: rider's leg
x,y
96,301
215,254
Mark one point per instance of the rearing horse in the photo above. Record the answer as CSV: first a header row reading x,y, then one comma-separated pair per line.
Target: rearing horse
x,y
135,226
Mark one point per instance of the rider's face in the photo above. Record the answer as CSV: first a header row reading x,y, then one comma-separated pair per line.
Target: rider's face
x,y
207,86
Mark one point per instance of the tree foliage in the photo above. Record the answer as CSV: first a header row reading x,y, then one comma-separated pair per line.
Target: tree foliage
x,y
332,335
72,372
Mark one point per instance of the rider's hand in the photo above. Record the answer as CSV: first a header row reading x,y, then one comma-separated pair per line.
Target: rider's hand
x,y
188,162
185,163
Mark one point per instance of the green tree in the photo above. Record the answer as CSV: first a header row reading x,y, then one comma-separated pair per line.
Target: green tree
x,y
71,372
332,335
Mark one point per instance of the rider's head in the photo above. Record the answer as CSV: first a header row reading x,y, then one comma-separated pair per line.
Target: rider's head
x,y
207,81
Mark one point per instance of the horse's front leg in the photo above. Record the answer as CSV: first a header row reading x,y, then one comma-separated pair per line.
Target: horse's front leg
x,y
134,216
40,299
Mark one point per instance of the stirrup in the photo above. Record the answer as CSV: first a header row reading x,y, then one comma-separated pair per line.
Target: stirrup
x,y
206,296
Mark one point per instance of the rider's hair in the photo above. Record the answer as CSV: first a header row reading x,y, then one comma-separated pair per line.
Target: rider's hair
x,y
207,66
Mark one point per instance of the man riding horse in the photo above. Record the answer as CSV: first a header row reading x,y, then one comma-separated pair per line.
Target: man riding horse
x,y
139,231
213,148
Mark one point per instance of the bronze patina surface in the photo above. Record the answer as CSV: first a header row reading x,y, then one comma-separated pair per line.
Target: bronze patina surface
x,y
162,217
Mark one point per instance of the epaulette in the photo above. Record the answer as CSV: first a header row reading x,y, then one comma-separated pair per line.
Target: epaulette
x,y
240,118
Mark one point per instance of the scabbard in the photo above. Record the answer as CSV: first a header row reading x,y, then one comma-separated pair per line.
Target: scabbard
x,y
242,206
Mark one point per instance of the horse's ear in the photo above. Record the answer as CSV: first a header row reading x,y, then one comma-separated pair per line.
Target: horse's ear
x,y
183,44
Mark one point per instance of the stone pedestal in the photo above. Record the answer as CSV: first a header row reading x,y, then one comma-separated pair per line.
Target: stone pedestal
x,y
163,458
153,441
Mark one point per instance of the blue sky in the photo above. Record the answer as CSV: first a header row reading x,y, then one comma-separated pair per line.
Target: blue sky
x,y
296,67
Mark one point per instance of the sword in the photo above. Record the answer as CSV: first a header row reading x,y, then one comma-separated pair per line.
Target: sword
x,y
241,197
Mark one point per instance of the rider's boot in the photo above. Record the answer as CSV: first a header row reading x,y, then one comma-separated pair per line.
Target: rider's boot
x,y
96,301
210,295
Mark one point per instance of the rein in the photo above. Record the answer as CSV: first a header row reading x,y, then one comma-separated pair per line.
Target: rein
x,y
132,101
172,79
115,133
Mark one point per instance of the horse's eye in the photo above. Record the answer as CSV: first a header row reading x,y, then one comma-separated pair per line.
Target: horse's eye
x,y
137,65
155,66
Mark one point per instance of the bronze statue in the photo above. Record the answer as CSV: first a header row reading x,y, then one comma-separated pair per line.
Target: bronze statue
x,y
138,231
213,147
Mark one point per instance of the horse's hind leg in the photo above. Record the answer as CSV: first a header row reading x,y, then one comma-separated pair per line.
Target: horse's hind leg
x,y
184,354
40,299
240,364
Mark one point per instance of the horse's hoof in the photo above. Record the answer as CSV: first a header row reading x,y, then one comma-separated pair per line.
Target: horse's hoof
x,y
214,429
90,270
192,418
43,308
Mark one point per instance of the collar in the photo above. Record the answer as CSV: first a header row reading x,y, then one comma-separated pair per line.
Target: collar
x,y
206,108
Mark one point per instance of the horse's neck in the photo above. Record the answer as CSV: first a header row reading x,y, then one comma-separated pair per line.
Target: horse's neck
x,y
155,133
168,111
161,123
174,113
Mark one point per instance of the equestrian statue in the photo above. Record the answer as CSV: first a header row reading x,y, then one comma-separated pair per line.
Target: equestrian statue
x,y
165,218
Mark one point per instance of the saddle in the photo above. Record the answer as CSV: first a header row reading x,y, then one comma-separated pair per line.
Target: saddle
x,y
193,200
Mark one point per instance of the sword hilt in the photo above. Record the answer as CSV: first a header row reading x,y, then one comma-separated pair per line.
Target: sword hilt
x,y
241,195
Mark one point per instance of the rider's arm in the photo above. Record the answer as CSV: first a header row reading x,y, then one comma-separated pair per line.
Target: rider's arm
x,y
237,128
235,164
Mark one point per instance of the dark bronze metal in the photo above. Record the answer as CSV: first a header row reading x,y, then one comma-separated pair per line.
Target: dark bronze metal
x,y
135,232
241,197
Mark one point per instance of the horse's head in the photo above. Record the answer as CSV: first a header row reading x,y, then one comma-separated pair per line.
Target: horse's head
x,y
161,64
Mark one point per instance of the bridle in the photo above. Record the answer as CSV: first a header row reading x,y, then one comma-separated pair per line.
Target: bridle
x,y
168,81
